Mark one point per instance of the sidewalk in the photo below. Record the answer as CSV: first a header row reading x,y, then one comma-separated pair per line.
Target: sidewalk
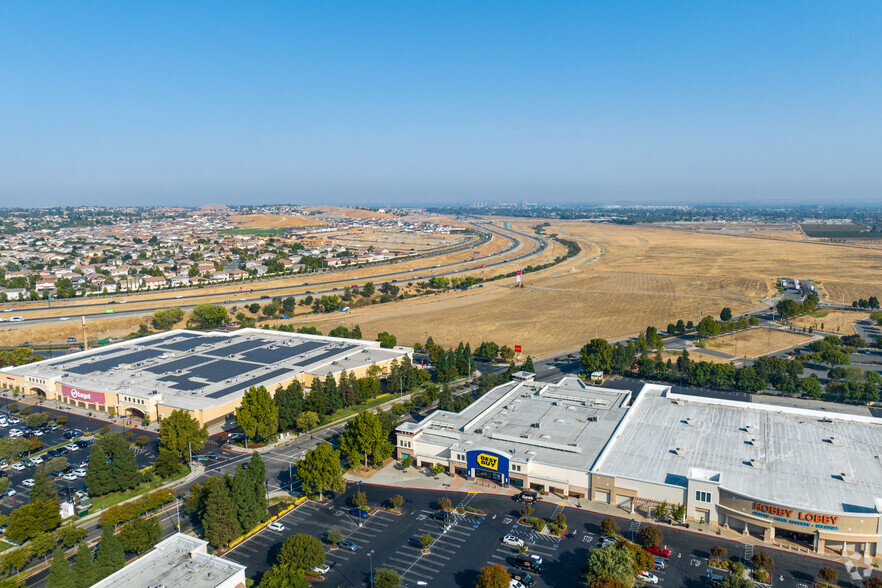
x,y
392,475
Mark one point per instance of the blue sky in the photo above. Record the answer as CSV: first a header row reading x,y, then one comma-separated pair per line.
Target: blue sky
x,y
439,102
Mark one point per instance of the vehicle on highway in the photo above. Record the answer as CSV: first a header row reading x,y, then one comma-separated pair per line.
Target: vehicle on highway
x,y
276,527
323,569
65,318
29,482
357,512
659,551
648,577
513,541
109,311
16,319
178,296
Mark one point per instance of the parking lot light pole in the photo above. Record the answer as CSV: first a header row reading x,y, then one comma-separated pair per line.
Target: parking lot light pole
x,y
371,558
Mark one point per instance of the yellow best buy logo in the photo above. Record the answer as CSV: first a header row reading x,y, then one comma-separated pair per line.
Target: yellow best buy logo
x,y
488,461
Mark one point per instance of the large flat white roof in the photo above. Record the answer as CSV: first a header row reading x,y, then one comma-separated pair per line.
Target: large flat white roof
x,y
194,370
782,455
565,424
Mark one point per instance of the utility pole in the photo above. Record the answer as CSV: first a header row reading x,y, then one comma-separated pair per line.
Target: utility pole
x,y
85,341
190,451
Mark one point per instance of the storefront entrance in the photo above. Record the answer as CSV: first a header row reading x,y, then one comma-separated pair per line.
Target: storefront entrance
x,y
801,539
496,477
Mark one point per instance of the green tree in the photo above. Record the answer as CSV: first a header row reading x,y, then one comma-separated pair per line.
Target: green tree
x,y
258,415
210,315
386,340
596,356
708,327
828,575
650,536
726,314
528,365
396,501
280,576
166,319
110,556
217,518
389,578
44,487
301,551
60,574
167,464
181,433
609,527
754,321
307,421
611,563
289,402
70,534
493,576
363,437
368,290
244,501
33,519
84,567
335,536
321,471
761,559
112,466
257,475
426,540
734,581
140,534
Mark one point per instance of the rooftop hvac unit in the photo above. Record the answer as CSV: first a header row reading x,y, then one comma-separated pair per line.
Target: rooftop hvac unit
x,y
536,425
688,421
846,477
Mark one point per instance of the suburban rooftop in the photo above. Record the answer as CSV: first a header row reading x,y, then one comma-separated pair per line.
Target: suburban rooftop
x,y
192,369
819,460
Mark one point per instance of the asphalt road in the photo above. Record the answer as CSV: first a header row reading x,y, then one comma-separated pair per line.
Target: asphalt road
x,y
388,540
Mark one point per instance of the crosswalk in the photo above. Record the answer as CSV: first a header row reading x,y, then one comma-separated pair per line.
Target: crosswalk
x,y
416,567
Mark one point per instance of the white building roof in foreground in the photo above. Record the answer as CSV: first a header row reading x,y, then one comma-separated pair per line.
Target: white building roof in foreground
x,y
194,370
180,560
815,460
564,424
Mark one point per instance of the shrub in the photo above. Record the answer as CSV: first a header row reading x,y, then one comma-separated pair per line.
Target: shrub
x,y
335,536
650,536
761,559
828,574
719,551
609,527
127,511
406,462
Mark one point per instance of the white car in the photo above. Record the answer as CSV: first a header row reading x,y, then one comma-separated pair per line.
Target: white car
x,y
4,423
19,467
276,527
70,477
64,318
515,584
80,493
647,577
4,466
513,541
15,433
80,472
320,569
2,320
29,483
72,447
122,301
11,492
14,420
39,432
178,296
37,459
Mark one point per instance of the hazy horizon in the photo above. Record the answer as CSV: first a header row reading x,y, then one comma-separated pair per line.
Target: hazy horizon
x,y
165,104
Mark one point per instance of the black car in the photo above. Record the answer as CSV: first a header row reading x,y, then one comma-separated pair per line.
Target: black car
x,y
56,473
81,443
264,297
527,496
522,577
440,516
528,564
68,469
52,453
62,450
72,434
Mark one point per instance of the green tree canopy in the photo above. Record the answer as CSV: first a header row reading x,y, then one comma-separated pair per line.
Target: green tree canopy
x,y
210,315
388,578
283,577
60,574
493,576
289,402
363,437
596,356
217,517
301,551
177,430
611,563
166,319
321,471
258,415
386,340
110,556
140,534
84,566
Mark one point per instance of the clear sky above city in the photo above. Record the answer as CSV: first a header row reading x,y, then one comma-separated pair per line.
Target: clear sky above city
x,y
439,102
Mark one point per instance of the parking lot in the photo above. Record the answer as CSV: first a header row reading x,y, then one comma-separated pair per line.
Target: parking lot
x,y
472,542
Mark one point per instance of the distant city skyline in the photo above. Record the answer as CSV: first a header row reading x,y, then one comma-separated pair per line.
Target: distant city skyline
x,y
423,104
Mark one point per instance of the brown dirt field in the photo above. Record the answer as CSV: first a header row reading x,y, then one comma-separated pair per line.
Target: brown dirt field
x,y
349,212
756,342
836,321
59,332
697,355
273,221
846,292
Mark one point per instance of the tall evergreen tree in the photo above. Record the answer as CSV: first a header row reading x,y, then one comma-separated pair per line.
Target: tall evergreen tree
x,y
217,518
84,566
112,465
110,556
60,574
289,401
181,433
332,391
98,476
257,474
243,500
44,488
528,365
258,415
316,401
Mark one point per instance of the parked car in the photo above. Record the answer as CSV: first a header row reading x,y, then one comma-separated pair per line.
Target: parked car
x,y
513,541
348,545
660,563
527,496
80,472
522,577
276,527
29,483
36,459
70,477
357,512
72,434
442,516
648,577
324,569
52,453
72,447
11,492
18,466
27,463
82,443
659,551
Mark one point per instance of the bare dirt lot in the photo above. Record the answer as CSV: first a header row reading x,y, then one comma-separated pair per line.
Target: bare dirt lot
x,y
350,212
755,342
273,221
832,321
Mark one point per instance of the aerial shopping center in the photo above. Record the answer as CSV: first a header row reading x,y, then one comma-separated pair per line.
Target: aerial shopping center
x,y
205,374
810,477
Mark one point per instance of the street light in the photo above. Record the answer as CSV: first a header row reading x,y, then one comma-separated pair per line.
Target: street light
x,y
371,558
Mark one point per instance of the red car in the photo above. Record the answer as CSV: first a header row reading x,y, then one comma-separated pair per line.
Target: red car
x,y
659,551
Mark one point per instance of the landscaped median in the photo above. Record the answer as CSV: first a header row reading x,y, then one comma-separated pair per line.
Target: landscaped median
x,y
263,525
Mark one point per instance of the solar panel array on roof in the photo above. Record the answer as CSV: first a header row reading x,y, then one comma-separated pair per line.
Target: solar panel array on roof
x,y
222,369
107,364
281,353
182,383
192,343
325,355
247,383
237,348
178,364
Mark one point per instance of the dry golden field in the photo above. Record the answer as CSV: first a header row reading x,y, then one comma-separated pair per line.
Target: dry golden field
x,y
755,342
840,322
697,355
349,212
274,221
99,328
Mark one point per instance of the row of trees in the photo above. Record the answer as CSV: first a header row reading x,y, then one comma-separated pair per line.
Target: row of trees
x,y
228,506
872,302
789,308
